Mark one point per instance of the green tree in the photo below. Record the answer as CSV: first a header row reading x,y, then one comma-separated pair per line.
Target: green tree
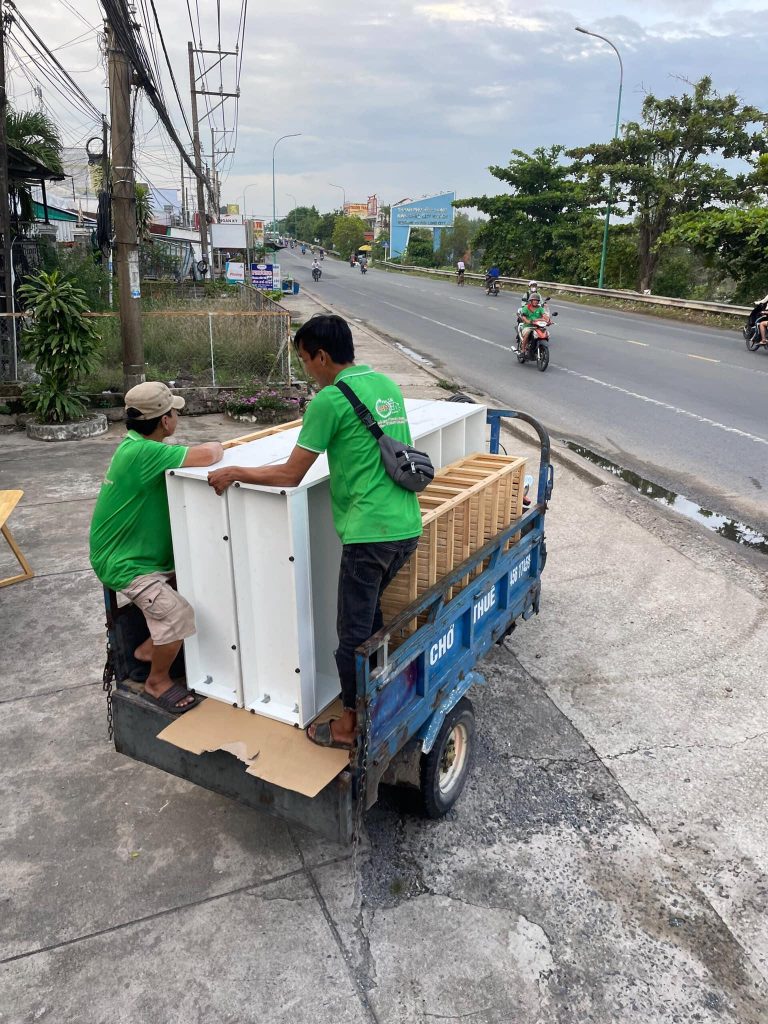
x,y
348,235
36,135
540,228
61,343
659,168
144,211
732,242
420,250
301,223
325,228
457,242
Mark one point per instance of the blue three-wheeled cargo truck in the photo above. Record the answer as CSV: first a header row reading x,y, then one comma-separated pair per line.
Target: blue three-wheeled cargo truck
x,y
415,722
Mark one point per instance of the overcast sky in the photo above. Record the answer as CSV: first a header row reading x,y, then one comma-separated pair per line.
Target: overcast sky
x,y
421,97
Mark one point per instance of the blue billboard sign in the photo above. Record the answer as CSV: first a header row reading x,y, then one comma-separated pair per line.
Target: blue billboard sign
x,y
433,212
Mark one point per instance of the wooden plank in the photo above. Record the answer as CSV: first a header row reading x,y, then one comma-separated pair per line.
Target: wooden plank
x,y
8,502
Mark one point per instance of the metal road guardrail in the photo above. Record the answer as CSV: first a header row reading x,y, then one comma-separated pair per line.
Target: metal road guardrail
x,y
576,289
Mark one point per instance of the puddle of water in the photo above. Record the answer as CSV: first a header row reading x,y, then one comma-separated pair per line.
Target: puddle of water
x,y
725,526
414,355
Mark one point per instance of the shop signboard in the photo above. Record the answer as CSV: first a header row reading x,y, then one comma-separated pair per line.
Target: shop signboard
x,y
266,276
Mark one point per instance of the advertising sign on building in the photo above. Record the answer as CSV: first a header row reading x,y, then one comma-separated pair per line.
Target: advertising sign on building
x,y
230,218
373,206
356,209
233,208
255,233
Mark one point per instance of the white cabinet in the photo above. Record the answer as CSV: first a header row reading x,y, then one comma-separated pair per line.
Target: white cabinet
x,y
260,567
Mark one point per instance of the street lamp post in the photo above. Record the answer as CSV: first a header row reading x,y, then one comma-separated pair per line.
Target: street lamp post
x,y
293,135
586,32
343,196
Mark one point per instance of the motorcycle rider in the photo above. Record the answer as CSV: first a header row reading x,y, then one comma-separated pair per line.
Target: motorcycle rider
x,y
316,267
363,264
533,286
759,319
529,312
460,268
492,276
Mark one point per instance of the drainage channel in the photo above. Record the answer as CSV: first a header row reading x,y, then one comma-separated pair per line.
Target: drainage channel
x,y
725,526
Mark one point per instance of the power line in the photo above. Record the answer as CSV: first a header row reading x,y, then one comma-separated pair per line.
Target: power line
x,y
60,70
170,69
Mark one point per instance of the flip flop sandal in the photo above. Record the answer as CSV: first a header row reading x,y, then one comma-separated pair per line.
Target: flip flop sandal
x,y
324,737
169,700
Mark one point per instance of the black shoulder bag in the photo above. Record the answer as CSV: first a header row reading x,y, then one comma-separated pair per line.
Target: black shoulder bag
x,y
409,468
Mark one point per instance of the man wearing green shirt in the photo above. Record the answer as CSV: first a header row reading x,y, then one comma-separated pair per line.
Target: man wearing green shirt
x,y
131,549
379,523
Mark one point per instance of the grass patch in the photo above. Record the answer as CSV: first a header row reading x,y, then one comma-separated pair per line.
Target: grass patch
x,y
448,385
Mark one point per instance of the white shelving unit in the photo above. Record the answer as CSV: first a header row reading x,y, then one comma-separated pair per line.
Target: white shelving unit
x,y
260,568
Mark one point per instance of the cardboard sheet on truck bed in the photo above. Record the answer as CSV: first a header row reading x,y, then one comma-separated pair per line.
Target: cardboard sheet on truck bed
x,y
273,751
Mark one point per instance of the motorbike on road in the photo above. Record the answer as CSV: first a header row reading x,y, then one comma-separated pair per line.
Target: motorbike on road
x,y
751,330
316,273
536,345
363,267
492,286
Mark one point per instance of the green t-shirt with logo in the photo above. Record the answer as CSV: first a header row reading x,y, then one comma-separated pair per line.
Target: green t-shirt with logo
x,y
368,506
131,526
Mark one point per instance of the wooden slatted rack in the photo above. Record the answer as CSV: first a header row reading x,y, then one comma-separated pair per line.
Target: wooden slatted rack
x,y
468,503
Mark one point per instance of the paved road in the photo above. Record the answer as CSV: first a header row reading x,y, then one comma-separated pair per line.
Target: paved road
x,y
684,406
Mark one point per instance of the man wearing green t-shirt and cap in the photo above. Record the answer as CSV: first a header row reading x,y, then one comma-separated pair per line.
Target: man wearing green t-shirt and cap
x,y
379,523
131,549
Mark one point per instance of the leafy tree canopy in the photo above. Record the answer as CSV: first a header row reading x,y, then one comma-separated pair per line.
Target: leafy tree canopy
x,y
660,167
537,229
348,234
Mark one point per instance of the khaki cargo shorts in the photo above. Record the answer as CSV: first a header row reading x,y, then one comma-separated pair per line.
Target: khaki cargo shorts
x,y
169,616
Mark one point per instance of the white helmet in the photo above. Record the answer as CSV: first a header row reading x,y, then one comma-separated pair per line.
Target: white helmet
x,y
533,285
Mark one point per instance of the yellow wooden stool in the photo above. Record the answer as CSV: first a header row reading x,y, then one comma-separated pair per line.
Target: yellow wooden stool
x,y
8,502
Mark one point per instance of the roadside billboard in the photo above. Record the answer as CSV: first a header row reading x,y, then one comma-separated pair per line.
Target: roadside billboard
x,y
266,276
435,212
356,210
373,206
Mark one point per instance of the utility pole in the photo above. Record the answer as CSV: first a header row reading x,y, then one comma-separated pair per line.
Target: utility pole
x,y
198,159
124,208
8,367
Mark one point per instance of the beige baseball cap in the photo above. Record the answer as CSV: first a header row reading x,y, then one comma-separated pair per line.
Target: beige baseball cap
x,y
152,398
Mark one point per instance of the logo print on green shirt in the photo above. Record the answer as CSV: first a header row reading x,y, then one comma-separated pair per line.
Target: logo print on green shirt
x,y
386,407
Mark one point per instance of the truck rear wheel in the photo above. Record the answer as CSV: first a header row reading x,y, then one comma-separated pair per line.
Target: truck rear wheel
x,y
445,768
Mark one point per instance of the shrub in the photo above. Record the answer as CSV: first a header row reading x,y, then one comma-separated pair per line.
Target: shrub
x,y
263,399
62,344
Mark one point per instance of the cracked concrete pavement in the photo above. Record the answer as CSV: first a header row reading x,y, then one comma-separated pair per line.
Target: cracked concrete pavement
x,y
606,862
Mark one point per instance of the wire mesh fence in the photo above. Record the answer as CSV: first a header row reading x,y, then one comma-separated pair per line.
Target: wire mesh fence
x,y
227,347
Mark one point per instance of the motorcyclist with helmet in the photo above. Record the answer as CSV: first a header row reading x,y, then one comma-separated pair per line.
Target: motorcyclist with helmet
x,y
492,276
316,267
533,286
531,310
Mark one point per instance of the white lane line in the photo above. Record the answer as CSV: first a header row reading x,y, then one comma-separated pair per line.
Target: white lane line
x,y
469,302
643,344
667,405
582,330
704,359
449,327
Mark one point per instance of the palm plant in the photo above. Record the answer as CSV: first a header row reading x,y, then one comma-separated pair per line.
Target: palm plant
x,y
36,135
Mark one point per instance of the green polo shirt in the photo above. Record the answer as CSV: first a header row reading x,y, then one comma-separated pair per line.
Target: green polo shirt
x,y
368,506
131,526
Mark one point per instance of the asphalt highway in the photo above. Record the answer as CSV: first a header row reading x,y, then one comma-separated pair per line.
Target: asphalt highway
x,y
683,406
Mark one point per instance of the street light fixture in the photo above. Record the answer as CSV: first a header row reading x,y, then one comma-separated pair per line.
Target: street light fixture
x,y
293,135
586,32
344,196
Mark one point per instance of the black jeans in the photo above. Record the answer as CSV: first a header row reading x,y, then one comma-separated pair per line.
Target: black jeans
x,y
365,571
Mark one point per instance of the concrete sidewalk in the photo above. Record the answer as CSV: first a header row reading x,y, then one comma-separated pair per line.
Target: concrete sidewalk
x,y
607,861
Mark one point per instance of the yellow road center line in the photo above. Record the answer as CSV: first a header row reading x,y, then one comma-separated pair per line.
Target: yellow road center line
x,y
704,359
629,341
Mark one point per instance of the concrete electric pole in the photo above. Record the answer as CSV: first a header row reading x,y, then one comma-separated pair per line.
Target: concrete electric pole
x,y
124,213
8,367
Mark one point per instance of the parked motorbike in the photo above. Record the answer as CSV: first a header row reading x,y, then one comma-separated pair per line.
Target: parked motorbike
x,y
537,343
316,273
492,286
